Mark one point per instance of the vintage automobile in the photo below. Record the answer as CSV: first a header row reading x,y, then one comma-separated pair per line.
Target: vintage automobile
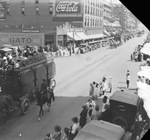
x,y
20,83
118,121
101,130
84,48
121,105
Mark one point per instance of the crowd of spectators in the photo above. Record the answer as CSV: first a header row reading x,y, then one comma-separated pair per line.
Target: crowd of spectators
x,y
91,110
99,89
11,59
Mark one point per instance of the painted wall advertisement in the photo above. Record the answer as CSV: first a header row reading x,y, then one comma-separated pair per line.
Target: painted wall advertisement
x,y
22,39
67,10
2,11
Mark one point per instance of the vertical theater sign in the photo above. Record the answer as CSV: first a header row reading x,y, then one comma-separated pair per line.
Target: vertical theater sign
x,y
67,10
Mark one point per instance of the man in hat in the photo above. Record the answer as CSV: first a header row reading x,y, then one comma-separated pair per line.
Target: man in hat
x,y
128,78
43,86
83,115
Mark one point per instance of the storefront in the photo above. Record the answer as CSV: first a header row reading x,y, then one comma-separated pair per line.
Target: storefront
x,y
28,37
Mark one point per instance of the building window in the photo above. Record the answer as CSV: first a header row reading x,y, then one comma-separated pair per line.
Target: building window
x,y
37,10
91,22
8,11
87,24
88,9
22,2
36,1
85,21
51,9
91,10
22,10
85,9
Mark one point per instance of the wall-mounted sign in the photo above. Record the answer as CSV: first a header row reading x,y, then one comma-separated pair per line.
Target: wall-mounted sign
x,y
67,7
68,10
23,39
30,31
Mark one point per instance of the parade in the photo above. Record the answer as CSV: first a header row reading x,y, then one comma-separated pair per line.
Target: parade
x,y
72,70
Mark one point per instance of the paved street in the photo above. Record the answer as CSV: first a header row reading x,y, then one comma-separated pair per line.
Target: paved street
x,y
73,76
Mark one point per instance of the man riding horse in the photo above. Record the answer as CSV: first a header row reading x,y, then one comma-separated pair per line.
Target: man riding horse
x,y
43,96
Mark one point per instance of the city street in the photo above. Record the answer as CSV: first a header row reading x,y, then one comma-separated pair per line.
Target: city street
x,y
73,76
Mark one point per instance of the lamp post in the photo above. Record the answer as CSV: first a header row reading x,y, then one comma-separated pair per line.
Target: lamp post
x,y
73,40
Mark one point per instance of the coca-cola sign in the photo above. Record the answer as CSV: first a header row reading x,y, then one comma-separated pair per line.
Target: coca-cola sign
x,y
67,7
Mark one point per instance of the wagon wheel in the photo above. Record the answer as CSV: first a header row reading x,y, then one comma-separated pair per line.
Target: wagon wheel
x,y
25,106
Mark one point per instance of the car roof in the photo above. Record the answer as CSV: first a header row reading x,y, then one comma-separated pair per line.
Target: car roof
x,y
100,130
125,97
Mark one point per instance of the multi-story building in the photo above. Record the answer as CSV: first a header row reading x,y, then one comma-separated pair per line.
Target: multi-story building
x,y
107,17
93,16
84,17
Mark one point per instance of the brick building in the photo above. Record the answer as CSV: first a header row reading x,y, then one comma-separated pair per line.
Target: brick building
x,y
41,16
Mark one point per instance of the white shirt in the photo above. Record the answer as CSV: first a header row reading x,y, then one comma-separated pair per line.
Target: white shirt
x,y
128,77
105,86
75,126
52,84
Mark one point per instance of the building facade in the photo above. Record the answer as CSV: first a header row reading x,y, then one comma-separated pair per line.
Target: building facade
x,y
107,17
85,17
93,16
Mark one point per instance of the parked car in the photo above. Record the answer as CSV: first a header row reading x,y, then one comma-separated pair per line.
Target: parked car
x,y
84,48
101,130
121,105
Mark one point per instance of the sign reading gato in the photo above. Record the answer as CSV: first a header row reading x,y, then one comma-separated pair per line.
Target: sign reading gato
x,y
23,39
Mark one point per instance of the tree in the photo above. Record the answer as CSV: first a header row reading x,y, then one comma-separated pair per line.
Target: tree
x,y
126,18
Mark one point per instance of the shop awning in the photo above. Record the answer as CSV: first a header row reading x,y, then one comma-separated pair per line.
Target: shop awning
x,y
146,49
94,36
81,35
77,35
74,36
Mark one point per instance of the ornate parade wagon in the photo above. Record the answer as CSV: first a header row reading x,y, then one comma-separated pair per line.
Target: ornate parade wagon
x,y
17,85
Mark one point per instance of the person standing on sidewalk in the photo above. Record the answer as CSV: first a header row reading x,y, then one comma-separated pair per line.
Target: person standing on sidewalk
x,y
128,78
52,87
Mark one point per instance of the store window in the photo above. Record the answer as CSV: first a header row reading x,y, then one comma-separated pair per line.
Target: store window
x,y
37,10
22,10
36,1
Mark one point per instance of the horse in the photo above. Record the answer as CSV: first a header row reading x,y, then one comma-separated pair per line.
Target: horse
x,y
6,102
42,98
